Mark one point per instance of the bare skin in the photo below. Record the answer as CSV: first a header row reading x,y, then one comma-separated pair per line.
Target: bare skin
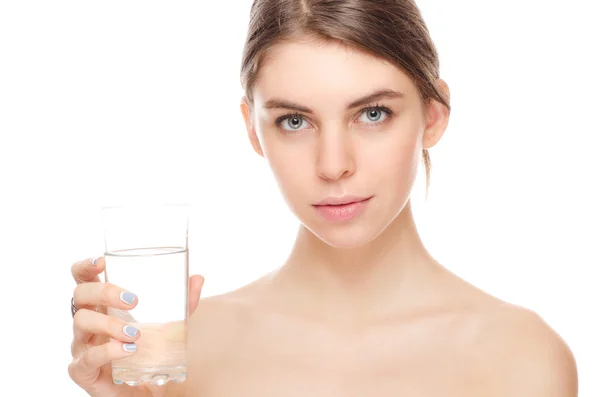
x,y
449,339
359,307
467,343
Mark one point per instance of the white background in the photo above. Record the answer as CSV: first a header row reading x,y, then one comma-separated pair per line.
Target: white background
x,y
109,102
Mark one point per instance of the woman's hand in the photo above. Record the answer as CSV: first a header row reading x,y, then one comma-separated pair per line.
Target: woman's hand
x,y
92,348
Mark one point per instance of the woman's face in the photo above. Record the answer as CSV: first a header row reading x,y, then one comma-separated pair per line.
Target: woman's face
x,y
338,126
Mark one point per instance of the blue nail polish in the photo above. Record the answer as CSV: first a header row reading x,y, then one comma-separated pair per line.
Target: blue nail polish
x,y
127,297
130,330
129,347
117,381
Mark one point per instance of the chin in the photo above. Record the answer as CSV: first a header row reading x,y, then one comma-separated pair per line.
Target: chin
x,y
352,233
346,235
344,240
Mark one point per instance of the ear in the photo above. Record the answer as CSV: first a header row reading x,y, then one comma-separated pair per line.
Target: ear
x,y
246,109
436,117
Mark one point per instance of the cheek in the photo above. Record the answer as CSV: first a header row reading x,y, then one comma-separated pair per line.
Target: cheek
x,y
396,163
290,166
295,183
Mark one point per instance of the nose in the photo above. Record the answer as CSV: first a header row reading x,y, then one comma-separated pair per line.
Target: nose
x,y
335,158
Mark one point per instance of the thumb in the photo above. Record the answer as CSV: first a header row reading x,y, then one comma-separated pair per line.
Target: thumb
x,y
196,283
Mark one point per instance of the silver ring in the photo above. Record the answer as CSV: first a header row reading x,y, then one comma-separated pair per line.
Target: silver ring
x,y
73,307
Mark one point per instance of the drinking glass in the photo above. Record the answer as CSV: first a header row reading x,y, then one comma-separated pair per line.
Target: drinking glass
x,y
146,253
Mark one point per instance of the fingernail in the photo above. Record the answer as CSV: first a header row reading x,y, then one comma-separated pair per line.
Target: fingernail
x,y
127,297
130,330
94,261
129,347
118,381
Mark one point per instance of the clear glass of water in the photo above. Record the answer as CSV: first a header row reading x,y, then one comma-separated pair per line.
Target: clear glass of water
x,y
146,252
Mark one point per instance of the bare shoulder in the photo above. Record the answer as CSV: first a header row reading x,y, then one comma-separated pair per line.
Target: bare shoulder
x,y
514,351
217,328
225,311
224,317
523,355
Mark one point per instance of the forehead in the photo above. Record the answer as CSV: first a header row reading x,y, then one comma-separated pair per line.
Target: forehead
x,y
312,71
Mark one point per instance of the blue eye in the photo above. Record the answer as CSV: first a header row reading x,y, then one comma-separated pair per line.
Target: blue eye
x,y
291,122
374,115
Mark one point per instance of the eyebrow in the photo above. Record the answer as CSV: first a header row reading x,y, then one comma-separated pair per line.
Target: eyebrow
x,y
277,103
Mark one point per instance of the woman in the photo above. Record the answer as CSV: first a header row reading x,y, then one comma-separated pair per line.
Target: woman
x,y
343,99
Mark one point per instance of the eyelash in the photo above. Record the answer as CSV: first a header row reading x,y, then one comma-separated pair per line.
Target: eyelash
x,y
381,108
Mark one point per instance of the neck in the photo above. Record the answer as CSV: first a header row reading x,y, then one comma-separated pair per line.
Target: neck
x,y
330,281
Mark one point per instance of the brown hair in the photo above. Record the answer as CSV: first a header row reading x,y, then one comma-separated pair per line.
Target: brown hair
x,y
390,29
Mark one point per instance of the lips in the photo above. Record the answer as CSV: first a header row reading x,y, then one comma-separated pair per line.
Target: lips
x,y
341,200
342,208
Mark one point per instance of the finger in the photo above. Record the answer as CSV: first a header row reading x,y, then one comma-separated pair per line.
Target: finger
x,y
87,323
196,283
87,270
103,294
85,369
